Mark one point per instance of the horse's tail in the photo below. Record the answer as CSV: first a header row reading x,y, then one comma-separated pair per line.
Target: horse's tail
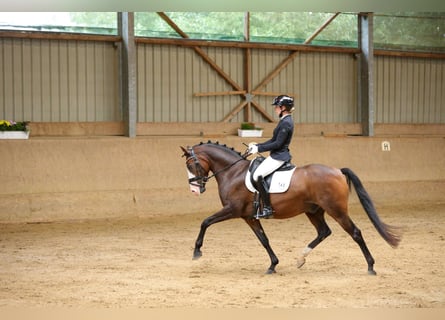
x,y
389,233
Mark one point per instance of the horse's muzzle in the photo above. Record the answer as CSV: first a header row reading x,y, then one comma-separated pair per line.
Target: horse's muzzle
x,y
197,184
197,189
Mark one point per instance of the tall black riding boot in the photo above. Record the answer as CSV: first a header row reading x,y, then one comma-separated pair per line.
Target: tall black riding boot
x,y
267,209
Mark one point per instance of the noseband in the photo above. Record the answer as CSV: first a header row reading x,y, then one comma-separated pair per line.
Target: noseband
x,y
200,179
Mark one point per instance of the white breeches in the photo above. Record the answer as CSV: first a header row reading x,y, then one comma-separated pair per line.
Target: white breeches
x,y
268,166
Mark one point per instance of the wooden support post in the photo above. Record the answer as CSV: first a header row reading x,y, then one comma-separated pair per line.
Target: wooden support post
x,y
128,72
247,70
365,69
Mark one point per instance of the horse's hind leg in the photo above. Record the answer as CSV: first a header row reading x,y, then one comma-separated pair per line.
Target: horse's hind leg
x,y
316,217
345,221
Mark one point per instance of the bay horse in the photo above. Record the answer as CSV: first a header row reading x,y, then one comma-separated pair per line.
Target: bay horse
x,y
314,189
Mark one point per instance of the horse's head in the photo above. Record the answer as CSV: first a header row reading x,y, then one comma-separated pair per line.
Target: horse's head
x,y
205,157
197,170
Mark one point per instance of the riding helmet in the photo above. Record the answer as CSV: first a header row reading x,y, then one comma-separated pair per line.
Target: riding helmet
x,y
283,100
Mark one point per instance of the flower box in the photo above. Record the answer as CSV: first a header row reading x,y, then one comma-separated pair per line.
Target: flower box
x,y
14,130
14,134
250,133
248,129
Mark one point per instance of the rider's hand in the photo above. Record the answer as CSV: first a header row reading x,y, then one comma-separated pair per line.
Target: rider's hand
x,y
253,148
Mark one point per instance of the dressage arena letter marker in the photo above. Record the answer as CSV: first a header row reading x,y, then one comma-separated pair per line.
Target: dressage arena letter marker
x,y
386,146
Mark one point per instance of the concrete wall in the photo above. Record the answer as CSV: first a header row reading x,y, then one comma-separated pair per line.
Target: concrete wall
x,y
49,179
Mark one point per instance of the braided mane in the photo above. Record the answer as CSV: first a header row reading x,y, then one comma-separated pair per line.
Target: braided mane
x,y
221,146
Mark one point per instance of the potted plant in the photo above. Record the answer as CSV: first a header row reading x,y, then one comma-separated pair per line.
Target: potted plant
x,y
14,130
249,129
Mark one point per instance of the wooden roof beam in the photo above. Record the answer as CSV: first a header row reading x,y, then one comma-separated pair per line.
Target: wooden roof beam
x,y
201,53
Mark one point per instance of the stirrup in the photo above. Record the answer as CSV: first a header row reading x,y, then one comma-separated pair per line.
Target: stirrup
x,y
266,213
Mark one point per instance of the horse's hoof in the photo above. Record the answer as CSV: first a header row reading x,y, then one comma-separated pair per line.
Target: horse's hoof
x,y
270,271
372,272
300,262
197,255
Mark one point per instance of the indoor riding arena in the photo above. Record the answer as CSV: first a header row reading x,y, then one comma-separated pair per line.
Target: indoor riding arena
x,y
95,204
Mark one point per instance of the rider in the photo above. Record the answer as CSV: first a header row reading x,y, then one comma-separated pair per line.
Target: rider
x,y
278,147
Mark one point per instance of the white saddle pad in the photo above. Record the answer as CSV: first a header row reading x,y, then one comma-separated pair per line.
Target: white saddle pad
x,y
279,184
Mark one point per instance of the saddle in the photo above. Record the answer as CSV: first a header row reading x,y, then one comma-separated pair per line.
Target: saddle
x,y
276,182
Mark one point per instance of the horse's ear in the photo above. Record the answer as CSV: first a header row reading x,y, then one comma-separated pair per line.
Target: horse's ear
x,y
186,153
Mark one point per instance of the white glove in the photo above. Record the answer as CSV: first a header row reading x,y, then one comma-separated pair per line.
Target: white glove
x,y
253,148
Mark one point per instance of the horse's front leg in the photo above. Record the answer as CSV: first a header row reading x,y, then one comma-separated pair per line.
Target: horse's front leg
x,y
261,235
224,214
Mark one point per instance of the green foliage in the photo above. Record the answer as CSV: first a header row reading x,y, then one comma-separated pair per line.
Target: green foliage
x,y
410,30
398,30
296,27
200,25
249,126
13,126
95,19
93,22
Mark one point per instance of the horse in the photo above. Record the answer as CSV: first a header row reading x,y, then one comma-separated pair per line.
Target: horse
x,y
314,189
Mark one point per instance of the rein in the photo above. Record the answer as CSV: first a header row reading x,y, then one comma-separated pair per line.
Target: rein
x,y
243,157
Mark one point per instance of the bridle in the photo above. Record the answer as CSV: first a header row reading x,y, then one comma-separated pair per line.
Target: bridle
x,y
202,179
